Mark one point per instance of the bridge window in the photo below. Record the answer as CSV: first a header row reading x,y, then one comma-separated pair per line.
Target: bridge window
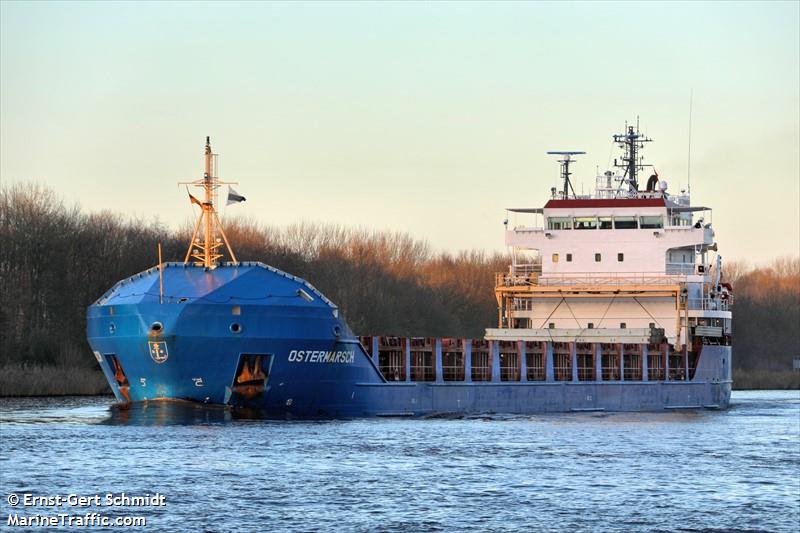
x,y
625,223
620,257
555,258
569,258
559,223
585,223
653,222
605,223
597,258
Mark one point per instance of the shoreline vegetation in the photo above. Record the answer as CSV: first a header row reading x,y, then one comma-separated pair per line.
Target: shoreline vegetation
x,y
21,380
58,259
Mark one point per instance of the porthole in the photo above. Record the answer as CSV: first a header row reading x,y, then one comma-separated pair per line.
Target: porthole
x,y
235,327
337,330
112,328
156,327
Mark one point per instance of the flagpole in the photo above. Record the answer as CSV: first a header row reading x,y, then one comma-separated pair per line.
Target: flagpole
x,y
160,277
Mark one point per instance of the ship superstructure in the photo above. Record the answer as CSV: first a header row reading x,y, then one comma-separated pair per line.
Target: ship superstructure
x,y
612,302
629,277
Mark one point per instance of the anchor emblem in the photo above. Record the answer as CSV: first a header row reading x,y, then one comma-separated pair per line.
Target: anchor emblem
x,y
158,351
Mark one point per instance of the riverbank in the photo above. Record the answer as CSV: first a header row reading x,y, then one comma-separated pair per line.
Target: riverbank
x,y
36,380
765,380
33,380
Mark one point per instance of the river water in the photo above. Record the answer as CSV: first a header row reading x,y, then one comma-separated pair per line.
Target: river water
x,y
734,470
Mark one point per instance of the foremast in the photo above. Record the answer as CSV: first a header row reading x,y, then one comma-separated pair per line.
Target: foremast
x,y
206,252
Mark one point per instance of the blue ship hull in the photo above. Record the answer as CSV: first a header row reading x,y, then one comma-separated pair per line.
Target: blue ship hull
x,y
250,336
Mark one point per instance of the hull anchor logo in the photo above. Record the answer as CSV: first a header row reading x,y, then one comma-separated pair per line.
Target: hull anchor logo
x,y
158,351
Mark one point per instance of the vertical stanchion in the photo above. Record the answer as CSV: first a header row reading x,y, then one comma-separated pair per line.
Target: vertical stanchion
x,y
598,361
574,355
408,358
160,277
494,353
645,362
468,360
439,377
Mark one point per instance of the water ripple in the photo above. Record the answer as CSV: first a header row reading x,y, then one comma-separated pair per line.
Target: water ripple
x,y
735,470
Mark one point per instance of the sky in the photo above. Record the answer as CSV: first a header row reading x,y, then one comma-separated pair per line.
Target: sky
x,y
424,118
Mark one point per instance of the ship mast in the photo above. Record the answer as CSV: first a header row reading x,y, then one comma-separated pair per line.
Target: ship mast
x,y
631,142
565,173
206,252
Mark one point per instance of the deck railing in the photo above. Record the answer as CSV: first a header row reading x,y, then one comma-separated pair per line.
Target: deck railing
x,y
686,269
710,304
505,279
478,360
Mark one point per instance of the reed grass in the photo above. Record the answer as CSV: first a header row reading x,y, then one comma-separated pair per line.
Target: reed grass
x,y
37,380
765,379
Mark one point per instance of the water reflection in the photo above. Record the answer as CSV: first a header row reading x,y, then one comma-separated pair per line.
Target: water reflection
x,y
167,413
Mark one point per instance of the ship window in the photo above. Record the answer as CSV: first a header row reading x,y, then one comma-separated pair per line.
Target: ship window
x,y
590,325
624,222
623,325
569,258
605,223
555,258
552,325
597,258
653,222
585,223
236,310
620,257
559,223
235,328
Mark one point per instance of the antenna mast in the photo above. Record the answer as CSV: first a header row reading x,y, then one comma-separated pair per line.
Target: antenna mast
x,y
631,142
689,157
207,252
565,173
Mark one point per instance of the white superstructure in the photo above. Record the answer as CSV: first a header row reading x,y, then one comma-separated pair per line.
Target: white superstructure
x,y
623,265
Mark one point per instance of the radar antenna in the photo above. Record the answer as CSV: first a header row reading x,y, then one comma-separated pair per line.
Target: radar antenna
x,y
631,142
565,173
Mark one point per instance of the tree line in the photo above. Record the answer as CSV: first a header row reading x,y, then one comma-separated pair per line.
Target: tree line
x,y
57,260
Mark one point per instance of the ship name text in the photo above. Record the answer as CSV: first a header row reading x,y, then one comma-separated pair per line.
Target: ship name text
x,y
321,356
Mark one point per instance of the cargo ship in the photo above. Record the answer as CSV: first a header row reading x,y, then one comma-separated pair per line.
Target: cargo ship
x,y
612,302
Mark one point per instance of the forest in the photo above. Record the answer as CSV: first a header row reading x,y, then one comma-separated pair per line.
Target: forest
x,y
57,259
